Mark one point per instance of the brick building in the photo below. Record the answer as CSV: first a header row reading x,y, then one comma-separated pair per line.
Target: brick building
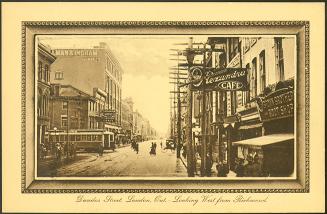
x,y
45,59
98,68
72,109
235,118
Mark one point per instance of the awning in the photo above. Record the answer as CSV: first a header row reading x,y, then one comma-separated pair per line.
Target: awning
x,y
265,140
231,119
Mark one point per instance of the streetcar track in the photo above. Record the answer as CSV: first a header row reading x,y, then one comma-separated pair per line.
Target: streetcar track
x,y
74,166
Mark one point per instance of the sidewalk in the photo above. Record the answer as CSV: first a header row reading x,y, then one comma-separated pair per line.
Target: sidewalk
x,y
213,169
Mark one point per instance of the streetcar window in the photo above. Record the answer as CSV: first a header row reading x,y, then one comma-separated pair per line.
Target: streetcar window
x,y
78,137
52,138
94,137
88,137
83,137
62,137
72,137
99,137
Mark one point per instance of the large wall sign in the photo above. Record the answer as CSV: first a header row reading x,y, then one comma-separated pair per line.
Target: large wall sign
x,y
196,75
277,105
108,116
74,52
229,79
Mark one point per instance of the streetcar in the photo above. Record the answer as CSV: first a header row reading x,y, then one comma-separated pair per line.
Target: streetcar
x,y
84,140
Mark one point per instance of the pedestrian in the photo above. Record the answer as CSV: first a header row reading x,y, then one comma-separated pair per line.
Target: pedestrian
x,y
208,166
248,168
137,148
161,144
257,168
184,151
153,149
240,168
74,150
58,152
43,151
100,149
222,169
66,150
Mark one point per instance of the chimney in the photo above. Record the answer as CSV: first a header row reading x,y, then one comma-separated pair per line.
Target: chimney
x,y
103,45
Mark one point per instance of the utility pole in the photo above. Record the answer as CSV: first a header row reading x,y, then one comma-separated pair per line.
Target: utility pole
x,y
203,122
191,164
67,146
178,153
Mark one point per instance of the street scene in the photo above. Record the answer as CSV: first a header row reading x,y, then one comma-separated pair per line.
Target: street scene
x,y
126,161
165,106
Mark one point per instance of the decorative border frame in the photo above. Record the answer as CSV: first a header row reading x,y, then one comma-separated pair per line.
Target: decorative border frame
x,y
305,24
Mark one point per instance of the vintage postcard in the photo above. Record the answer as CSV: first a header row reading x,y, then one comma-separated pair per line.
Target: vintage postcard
x,y
120,115
218,118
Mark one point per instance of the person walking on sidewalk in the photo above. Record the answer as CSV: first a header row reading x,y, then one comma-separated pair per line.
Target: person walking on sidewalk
x,y
137,148
257,168
100,150
58,153
248,168
222,169
208,166
240,168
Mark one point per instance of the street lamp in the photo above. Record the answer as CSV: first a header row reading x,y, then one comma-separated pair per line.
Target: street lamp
x,y
55,130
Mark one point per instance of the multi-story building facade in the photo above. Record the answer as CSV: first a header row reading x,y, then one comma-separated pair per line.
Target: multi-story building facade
x,y
45,60
236,116
72,109
98,68
127,117
142,127
255,121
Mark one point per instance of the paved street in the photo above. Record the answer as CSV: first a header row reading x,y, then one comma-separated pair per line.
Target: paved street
x,y
125,162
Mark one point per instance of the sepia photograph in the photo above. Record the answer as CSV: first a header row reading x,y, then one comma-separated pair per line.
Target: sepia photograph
x,y
165,106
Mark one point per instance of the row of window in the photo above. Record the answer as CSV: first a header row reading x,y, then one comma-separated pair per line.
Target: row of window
x,y
111,68
93,124
93,106
43,72
75,122
42,106
255,77
76,138
114,97
59,75
257,74
96,106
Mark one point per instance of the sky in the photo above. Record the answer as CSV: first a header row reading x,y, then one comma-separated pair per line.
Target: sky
x,y
145,61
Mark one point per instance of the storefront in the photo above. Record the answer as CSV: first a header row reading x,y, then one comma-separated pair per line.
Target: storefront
x,y
275,153
269,135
